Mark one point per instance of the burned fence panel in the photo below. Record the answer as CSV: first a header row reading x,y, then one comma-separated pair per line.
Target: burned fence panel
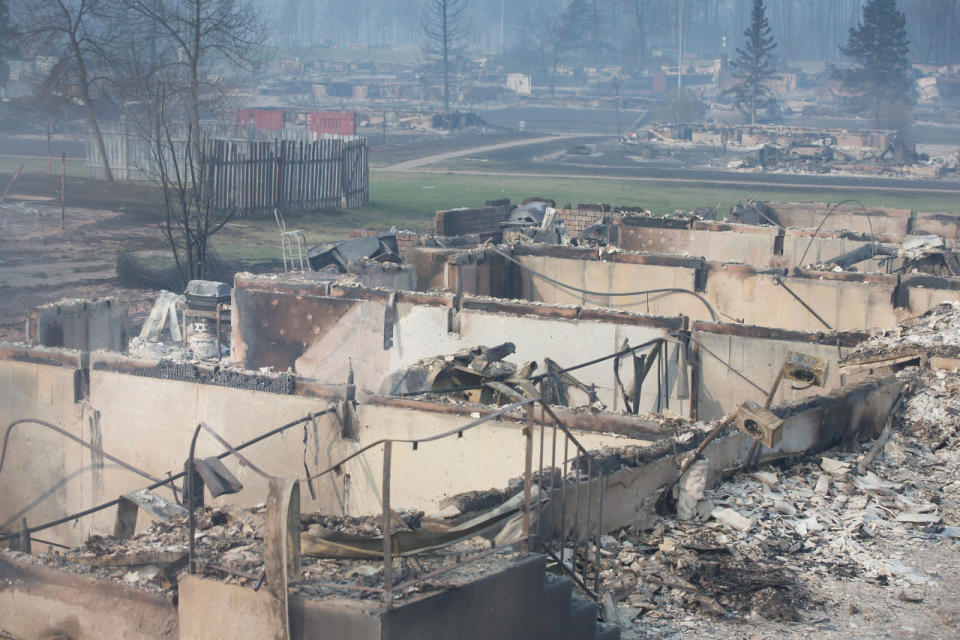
x,y
256,176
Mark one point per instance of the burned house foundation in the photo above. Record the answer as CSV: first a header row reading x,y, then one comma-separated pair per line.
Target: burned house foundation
x,y
499,437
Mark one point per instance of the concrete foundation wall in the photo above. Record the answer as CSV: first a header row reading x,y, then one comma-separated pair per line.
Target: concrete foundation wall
x,y
847,302
336,334
355,338
736,368
892,222
810,215
737,292
743,244
148,422
43,475
37,603
630,495
85,325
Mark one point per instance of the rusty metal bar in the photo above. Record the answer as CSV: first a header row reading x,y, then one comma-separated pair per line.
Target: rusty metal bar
x,y
601,478
191,500
573,575
527,472
387,539
243,460
459,430
563,495
540,479
773,389
168,480
816,315
586,528
80,441
553,472
25,546
576,523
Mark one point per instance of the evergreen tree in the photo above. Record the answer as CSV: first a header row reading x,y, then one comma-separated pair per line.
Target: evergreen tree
x,y
8,42
879,46
754,64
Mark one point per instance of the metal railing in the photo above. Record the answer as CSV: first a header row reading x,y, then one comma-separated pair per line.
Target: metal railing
x,y
566,533
556,526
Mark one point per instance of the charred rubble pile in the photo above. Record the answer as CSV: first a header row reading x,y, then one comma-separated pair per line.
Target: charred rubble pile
x,y
341,554
766,545
762,544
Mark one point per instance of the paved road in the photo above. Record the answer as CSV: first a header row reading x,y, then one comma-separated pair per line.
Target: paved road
x,y
703,181
706,177
419,163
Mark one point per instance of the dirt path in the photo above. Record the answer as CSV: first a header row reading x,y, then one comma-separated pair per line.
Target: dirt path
x,y
40,263
418,163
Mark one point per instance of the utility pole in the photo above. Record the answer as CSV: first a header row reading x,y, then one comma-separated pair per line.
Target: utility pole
x,y
680,59
500,37
63,190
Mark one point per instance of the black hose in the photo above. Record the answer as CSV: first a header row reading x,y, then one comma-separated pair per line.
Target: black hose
x,y
606,294
873,236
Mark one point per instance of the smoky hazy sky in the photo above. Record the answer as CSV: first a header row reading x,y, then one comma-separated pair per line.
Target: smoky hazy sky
x,y
805,29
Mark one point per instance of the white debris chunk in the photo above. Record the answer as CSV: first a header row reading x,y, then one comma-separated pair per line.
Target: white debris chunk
x,y
834,467
823,484
919,517
733,519
766,477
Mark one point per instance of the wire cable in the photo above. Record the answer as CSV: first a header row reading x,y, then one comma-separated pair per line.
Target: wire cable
x,y
873,236
80,441
606,294
172,478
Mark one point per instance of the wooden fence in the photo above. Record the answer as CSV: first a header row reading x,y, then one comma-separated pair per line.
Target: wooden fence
x,y
291,175
256,175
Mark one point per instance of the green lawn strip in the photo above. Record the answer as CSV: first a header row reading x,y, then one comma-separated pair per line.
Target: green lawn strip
x,y
401,194
76,167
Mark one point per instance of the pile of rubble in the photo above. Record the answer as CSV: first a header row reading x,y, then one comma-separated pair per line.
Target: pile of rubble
x,y
230,548
476,375
935,333
762,545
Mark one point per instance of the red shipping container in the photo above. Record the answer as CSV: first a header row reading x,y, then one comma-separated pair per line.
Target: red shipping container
x,y
339,123
262,119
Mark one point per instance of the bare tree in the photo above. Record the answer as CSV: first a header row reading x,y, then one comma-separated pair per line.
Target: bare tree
x,y
184,172
445,28
169,71
76,31
210,38
8,42
542,44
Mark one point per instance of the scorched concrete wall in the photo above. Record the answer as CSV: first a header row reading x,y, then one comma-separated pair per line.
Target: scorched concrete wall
x,y
742,244
148,422
44,474
847,302
79,324
335,334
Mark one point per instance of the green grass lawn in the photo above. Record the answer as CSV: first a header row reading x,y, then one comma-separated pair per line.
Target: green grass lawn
x,y
410,200
416,196
76,167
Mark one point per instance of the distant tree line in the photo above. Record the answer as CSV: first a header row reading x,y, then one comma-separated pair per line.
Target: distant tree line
x,y
631,30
